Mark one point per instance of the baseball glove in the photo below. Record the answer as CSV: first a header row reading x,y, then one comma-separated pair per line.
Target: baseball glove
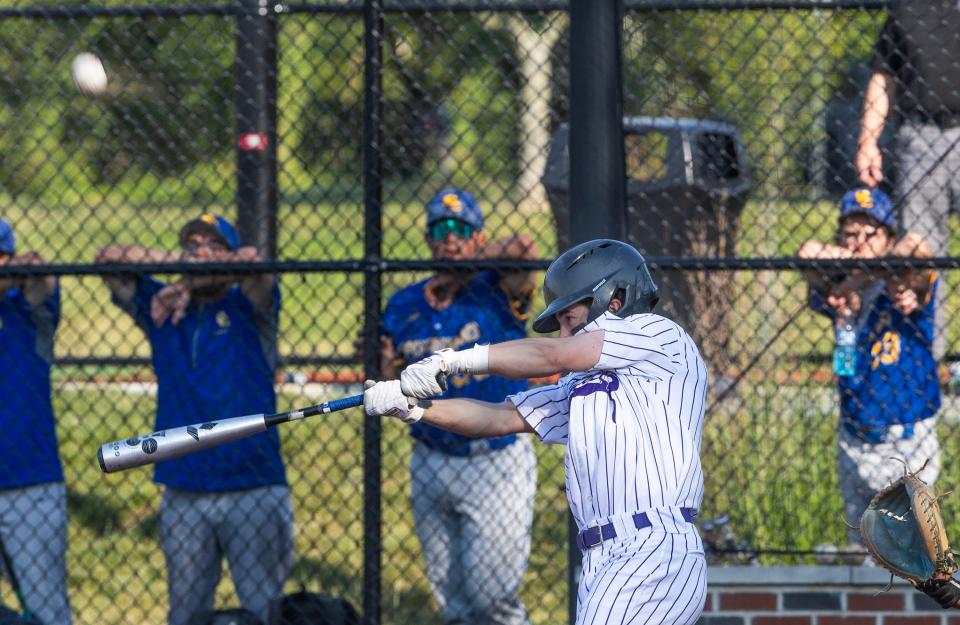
x,y
903,531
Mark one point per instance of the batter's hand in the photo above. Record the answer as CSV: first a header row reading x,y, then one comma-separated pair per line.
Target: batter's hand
x,y
386,399
425,379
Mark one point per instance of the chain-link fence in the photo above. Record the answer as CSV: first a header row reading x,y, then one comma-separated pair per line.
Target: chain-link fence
x,y
322,131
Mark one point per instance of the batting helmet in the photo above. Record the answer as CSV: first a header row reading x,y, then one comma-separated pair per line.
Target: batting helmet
x,y
596,271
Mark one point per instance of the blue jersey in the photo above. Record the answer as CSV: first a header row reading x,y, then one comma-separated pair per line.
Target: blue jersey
x,y
481,313
28,446
896,379
217,362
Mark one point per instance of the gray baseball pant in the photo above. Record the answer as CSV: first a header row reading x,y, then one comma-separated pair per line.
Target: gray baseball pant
x,y
33,528
252,528
473,517
864,468
927,192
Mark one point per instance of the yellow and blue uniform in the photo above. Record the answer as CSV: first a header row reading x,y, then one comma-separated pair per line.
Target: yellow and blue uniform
x,y
28,447
231,501
896,380
218,361
472,498
888,407
482,313
33,498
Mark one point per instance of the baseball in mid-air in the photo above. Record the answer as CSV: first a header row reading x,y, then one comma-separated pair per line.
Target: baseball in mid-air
x,y
88,74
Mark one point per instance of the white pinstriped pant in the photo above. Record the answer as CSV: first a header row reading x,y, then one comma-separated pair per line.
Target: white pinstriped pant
x,y
650,578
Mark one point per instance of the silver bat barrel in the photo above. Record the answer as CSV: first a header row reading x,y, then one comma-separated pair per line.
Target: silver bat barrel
x,y
176,442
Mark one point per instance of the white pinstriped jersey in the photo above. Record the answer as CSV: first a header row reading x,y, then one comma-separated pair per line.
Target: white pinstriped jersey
x,y
632,424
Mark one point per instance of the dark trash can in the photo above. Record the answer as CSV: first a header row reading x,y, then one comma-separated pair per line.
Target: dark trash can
x,y
687,183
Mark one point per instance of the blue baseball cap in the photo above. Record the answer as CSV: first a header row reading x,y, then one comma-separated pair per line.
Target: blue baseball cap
x,y
870,202
455,204
214,226
7,241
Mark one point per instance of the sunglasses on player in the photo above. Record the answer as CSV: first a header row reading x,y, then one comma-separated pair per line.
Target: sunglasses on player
x,y
439,230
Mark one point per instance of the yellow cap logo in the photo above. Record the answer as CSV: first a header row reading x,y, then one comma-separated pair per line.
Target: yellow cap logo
x,y
223,319
864,198
210,219
452,202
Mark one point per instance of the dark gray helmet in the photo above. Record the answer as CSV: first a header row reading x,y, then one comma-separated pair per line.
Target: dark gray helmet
x,y
597,270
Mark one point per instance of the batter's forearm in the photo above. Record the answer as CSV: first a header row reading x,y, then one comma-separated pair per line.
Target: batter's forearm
x,y
474,418
524,358
541,357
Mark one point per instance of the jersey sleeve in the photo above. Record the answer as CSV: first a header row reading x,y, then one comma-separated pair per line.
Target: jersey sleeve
x,y
138,306
399,307
267,322
926,324
547,410
46,317
648,345
389,320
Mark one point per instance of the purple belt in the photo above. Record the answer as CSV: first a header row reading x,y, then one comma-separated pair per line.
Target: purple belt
x,y
596,534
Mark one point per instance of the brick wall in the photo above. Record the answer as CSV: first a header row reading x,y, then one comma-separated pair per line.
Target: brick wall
x,y
816,595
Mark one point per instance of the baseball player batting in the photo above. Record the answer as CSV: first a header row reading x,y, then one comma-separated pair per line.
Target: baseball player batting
x,y
630,411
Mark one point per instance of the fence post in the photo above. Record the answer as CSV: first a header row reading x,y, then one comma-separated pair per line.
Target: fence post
x,y
597,170
372,210
255,99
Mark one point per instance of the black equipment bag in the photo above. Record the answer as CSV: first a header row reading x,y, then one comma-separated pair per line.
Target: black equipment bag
x,y
228,616
307,608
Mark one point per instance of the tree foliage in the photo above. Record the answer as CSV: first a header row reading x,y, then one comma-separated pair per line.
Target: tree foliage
x,y
451,86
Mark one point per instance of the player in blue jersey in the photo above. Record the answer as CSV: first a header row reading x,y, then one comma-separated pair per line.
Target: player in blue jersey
x,y
214,348
472,498
33,499
889,403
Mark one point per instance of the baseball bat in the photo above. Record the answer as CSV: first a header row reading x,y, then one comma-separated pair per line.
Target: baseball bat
x,y
177,442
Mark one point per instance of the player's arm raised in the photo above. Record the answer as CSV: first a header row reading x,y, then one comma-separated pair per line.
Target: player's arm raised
x,y
817,278
123,287
518,285
258,287
36,289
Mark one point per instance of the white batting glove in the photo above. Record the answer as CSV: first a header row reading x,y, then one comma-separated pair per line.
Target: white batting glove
x,y
473,360
426,378
386,399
